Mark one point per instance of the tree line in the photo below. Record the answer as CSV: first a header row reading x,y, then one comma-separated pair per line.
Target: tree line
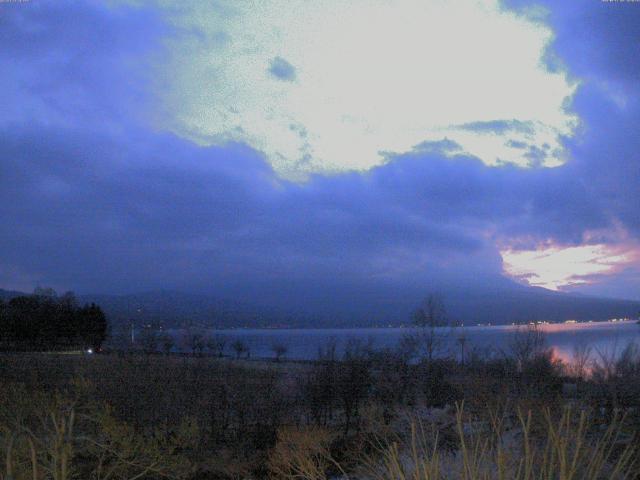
x,y
45,321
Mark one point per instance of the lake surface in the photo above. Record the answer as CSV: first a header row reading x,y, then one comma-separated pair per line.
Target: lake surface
x,y
304,344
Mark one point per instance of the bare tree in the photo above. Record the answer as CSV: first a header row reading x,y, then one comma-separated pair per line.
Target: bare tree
x,y
407,348
196,343
429,317
580,360
354,379
149,340
167,342
628,363
327,352
279,350
216,345
240,347
526,344
612,369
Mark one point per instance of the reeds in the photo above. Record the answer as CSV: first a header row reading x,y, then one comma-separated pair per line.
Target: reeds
x,y
569,448
62,438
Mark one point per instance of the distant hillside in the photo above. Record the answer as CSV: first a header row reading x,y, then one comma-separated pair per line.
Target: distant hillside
x,y
532,304
176,309
470,306
9,294
499,306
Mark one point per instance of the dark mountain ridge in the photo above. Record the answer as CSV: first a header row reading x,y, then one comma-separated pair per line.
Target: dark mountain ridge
x,y
499,305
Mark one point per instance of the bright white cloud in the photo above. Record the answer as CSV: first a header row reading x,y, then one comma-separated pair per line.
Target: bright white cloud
x,y
331,85
557,267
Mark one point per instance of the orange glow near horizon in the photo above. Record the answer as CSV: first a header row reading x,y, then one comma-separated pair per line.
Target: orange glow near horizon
x,y
557,267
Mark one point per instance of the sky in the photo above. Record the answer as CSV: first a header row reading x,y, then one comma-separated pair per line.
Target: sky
x,y
276,148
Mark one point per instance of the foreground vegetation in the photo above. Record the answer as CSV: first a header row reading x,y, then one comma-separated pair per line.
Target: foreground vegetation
x,y
362,414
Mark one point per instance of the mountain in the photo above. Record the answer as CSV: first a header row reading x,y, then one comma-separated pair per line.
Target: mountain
x,y
470,306
175,309
534,303
496,305
7,295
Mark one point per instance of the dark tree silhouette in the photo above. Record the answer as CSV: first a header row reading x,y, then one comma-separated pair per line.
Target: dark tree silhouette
x,y
44,321
167,342
240,347
279,351
93,325
216,345
428,317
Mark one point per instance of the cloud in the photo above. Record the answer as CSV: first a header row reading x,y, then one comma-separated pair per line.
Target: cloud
x,y
624,284
99,197
369,79
65,62
594,43
547,267
596,40
500,126
108,212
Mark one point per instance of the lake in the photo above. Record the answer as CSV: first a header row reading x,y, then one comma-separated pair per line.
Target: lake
x,y
304,344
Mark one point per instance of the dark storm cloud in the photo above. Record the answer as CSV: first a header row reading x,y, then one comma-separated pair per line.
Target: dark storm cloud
x,y
93,199
597,40
102,210
599,43
625,284
68,62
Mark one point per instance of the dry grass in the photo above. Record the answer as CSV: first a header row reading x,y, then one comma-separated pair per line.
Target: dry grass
x,y
570,448
151,418
301,453
59,437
